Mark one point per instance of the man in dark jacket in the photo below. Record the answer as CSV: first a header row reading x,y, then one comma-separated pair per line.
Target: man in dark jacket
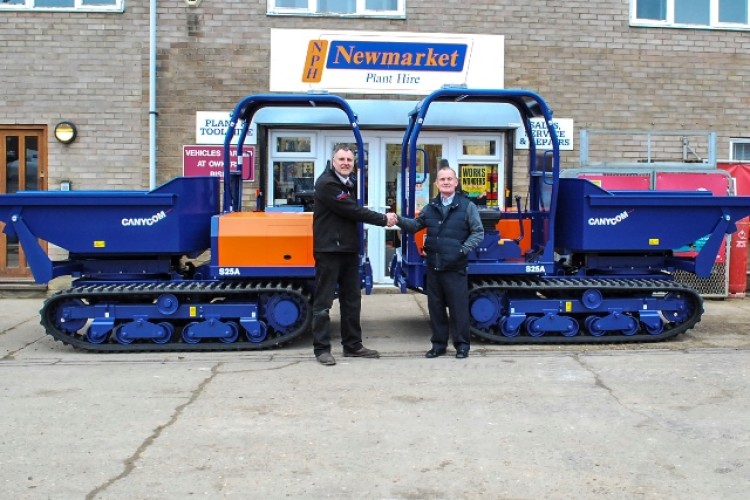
x,y
454,229
336,251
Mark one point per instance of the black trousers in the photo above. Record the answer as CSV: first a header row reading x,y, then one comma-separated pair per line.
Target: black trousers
x,y
334,269
448,290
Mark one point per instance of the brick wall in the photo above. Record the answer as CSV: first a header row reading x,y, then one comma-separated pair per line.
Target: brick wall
x,y
92,70
581,56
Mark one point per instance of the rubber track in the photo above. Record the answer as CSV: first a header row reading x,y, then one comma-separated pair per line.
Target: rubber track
x,y
572,288
202,292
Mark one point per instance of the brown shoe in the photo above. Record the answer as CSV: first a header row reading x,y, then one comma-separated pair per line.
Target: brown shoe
x,y
326,359
362,352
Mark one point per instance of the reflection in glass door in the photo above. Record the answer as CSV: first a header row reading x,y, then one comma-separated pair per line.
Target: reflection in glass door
x,y
22,155
429,155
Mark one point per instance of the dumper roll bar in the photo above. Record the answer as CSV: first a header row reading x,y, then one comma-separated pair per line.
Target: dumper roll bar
x,y
244,112
529,105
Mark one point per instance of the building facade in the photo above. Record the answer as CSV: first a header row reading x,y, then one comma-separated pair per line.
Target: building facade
x,y
613,65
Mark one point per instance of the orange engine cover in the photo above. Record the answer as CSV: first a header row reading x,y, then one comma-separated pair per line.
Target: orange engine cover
x,y
508,228
264,239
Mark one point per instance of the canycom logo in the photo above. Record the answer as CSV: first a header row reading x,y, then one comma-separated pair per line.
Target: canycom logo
x,y
608,221
144,221
373,56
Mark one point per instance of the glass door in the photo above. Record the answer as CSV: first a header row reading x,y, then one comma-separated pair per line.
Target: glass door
x,y
370,159
22,167
430,152
383,190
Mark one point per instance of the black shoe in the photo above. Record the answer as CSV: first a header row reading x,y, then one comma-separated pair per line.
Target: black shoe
x,y
325,358
434,353
462,353
362,352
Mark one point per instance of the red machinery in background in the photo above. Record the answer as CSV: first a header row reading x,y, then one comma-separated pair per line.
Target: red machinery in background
x,y
738,251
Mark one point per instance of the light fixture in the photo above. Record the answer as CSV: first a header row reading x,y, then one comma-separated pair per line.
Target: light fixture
x,y
65,132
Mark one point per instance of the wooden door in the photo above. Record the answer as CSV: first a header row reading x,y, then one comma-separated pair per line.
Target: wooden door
x,y
23,166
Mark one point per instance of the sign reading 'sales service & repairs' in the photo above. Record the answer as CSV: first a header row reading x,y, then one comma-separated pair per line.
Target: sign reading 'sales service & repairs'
x,y
383,62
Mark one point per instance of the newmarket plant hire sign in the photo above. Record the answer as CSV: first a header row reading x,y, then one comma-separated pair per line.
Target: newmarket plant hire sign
x,y
383,62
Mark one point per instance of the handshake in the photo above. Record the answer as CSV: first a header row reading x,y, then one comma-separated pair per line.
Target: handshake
x,y
391,219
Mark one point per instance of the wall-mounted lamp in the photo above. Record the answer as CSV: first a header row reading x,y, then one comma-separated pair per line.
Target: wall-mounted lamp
x,y
65,132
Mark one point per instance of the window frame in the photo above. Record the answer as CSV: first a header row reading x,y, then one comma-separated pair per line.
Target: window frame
x,y
117,7
278,135
493,161
287,157
733,141
360,11
669,22
462,139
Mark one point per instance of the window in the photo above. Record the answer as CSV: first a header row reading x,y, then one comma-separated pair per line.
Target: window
x,y
721,14
739,149
653,9
479,147
479,170
288,145
733,11
64,5
293,166
692,12
335,8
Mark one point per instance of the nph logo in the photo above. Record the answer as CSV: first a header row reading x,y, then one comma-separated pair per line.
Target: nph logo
x,y
315,61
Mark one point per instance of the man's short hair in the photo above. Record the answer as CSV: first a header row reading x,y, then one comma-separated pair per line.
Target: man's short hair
x,y
342,147
448,167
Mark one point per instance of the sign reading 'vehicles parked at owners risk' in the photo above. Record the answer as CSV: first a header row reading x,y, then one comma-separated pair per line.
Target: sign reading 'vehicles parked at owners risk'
x,y
200,160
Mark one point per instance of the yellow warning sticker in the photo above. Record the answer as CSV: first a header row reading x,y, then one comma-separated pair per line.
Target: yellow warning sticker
x,y
100,244
653,241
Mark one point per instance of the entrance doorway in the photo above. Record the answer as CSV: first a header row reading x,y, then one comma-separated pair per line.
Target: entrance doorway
x,y
23,166
298,157
383,190
388,190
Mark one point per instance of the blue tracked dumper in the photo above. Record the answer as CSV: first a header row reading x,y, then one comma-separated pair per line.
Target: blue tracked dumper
x,y
583,264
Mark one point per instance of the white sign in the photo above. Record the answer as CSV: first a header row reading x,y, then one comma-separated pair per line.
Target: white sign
x,y
372,62
211,128
563,127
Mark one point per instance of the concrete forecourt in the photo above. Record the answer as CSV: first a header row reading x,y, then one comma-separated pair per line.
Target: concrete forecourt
x,y
663,420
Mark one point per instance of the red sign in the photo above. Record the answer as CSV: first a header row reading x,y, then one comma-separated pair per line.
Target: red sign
x,y
208,160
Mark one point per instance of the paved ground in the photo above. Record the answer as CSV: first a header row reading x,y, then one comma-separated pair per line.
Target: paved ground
x,y
661,421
